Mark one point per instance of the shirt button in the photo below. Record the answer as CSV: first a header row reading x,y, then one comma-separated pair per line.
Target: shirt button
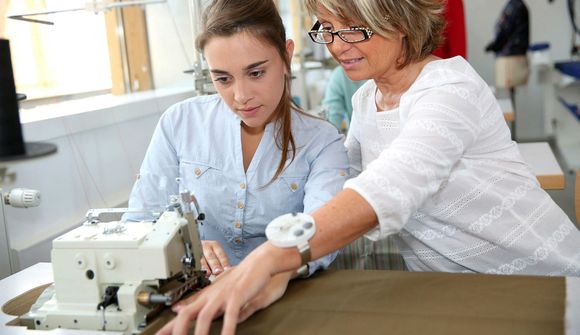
x,y
237,225
293,186
240,205
197,171
242,186
342,173
238,240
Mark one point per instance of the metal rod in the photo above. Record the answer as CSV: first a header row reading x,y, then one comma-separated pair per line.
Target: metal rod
x,y
22,17
195,8
95,6
120,29
199,79
134,3
6,252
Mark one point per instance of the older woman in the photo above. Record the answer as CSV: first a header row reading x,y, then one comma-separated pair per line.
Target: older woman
x,y
437,167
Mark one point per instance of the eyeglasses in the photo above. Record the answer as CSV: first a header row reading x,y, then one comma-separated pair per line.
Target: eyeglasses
x,y
321,35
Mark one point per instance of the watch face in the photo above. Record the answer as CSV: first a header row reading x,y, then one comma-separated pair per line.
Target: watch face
x,y
291,230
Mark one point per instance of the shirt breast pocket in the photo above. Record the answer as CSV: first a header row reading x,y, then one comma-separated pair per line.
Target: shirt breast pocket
x,y
291,189
204,180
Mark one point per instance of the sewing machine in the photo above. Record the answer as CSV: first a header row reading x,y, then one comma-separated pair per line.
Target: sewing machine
x,y
116,276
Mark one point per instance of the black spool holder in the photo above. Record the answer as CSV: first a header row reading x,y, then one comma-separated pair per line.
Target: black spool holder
x,y
12,145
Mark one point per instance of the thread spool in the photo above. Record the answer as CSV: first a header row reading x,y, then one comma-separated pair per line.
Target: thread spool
x,y
12,145
11,141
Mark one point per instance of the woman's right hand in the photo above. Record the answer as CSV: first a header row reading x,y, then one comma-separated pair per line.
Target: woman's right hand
x,y
214,260
236,295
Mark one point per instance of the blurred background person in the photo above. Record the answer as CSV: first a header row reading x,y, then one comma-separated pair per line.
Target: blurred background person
x,y
337,98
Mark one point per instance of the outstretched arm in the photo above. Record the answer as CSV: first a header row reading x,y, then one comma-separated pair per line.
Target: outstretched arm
x,y
339,222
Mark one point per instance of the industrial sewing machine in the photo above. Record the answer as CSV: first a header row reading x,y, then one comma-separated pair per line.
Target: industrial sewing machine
x,y
116,276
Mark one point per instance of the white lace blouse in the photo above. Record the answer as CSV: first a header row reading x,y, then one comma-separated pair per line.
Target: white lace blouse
x,y
448,180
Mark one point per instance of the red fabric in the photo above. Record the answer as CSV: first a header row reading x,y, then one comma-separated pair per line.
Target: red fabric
x,y
455,43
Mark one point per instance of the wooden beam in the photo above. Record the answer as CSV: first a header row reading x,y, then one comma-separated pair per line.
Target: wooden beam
x,y
128,50
115,54
137,48
3,7
295,13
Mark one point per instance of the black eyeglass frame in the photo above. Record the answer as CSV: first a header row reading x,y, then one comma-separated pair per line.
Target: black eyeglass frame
x,y
367,33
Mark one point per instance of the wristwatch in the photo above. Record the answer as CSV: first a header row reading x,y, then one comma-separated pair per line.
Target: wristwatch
x,y
293,230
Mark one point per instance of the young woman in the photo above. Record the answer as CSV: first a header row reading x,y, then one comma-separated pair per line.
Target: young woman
x,y
248,154
438,169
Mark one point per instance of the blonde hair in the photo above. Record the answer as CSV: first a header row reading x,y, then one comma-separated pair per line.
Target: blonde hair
x,y
421,21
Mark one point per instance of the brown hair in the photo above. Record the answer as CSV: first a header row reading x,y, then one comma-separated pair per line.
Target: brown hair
x,y
421,21
261,18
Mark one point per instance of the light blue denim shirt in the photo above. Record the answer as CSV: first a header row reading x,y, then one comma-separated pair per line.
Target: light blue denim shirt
x,y
198,143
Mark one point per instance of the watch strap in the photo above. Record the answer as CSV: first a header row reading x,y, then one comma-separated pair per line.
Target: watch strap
x,y
305,256
304,250
303,271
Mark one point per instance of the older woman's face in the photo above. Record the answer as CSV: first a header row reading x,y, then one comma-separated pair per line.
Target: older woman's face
x,y
370,59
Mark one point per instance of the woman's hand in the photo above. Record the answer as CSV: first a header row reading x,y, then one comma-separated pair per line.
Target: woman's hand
x,y
265,298
215,260
236,294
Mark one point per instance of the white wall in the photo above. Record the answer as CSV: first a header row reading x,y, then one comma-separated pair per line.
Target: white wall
x,y
101,141
549,22
99,154
171,43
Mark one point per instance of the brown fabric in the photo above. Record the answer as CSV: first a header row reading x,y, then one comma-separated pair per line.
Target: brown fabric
x,y
392,302
21,304
396,302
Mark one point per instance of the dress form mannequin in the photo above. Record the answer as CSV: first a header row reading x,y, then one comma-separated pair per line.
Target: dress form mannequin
x,y
510,47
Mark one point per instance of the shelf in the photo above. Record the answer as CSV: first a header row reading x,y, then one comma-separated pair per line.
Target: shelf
x,y
570,68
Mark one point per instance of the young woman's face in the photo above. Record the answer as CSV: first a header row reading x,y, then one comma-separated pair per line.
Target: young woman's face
x,y
369,59
248,74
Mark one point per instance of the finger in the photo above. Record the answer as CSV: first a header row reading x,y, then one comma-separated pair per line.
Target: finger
x,y
214,264
221,255
205,267
189,300
231,317
224,274
205,317
184,318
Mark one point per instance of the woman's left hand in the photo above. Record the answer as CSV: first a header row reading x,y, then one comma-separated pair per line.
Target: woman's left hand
x,y
214,260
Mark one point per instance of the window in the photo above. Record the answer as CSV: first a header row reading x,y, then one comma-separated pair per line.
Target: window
x,y
69,57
